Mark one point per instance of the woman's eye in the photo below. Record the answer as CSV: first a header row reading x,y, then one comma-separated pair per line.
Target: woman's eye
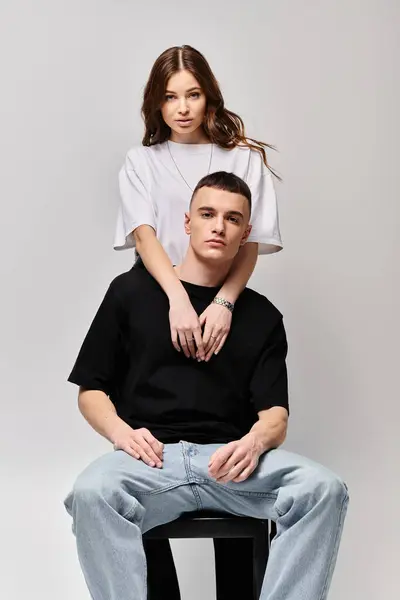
x,y
195,95
168,97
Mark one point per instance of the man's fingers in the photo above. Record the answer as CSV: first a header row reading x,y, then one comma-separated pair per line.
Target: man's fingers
x,y
238,456
219,458
157,446
150,452
144,456
133,452
244,474
234,471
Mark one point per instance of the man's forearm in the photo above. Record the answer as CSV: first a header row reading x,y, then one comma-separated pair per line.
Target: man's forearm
x,y
99,412
271,427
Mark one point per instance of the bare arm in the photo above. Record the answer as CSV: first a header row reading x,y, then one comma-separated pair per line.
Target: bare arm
x,y
237,460
271,428
217,319
240,272
100,413
158,263
185,324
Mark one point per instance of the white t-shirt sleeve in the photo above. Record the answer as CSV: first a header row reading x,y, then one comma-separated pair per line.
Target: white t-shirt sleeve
x,y
264,212
136,207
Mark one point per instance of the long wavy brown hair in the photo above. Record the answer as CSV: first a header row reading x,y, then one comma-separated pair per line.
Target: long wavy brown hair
x,y
222,126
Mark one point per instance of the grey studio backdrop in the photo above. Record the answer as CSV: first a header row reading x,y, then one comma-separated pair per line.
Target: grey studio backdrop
x,y
319,80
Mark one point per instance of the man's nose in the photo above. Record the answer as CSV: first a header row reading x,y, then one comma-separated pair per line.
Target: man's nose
x,y
219,226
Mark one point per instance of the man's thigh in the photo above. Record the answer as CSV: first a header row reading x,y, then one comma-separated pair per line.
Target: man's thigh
x,y
132,487
279,473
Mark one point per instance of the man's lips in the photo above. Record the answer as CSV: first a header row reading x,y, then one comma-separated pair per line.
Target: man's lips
x,y
217,242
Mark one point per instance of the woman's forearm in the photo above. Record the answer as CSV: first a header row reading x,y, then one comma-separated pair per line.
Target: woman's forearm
x,y
157,262
240,272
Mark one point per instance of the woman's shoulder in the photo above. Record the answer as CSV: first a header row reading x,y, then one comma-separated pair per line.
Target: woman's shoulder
x,y
140,153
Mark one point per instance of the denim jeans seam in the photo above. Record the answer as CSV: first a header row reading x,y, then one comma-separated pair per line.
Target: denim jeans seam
x,y
335,546
161,490
130,512
270,495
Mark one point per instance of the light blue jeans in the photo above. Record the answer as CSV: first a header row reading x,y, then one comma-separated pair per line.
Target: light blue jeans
x,y
118,498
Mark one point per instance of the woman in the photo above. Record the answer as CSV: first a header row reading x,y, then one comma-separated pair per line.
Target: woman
x,y
189,133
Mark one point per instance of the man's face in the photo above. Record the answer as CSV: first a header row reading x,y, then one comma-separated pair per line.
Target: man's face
x,y
218,224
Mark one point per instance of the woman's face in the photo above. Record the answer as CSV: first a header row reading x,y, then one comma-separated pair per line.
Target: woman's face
x,y
184,106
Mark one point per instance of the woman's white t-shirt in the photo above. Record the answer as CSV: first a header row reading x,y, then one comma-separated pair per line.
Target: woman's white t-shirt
x,y
154,193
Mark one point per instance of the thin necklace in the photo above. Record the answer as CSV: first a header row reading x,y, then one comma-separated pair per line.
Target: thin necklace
x,y
178,169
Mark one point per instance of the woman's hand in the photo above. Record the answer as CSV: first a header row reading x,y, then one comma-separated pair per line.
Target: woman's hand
x,y
216,320
186,328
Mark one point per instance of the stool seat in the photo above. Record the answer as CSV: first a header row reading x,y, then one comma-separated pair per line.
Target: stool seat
x,y
210,524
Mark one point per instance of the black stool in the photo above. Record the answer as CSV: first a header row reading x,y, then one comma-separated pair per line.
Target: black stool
x,y
221,525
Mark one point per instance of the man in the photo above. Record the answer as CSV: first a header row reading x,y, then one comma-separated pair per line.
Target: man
x,y
192,435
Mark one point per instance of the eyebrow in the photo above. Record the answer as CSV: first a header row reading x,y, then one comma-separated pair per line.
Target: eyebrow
x,y
187,91
228,212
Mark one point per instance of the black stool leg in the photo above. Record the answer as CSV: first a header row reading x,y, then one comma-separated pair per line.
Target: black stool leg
x,y
260,558
272,532
233,556
162,580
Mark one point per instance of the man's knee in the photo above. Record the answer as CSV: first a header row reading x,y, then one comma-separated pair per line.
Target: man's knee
x,y
96,487
325,485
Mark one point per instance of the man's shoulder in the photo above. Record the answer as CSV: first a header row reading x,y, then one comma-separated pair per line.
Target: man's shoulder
x,y
259,305
135,282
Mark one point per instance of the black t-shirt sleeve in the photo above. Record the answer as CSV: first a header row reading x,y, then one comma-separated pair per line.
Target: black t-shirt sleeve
x,y
96,365
269,385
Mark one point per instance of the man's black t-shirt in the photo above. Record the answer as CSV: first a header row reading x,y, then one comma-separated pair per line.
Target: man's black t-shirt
x,y
128,354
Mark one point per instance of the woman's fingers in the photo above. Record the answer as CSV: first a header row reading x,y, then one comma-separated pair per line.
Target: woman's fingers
x,y
174,338
190,343
198,338
183,343
221,344
215,341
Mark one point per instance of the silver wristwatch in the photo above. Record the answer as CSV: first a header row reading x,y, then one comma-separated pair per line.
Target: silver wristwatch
x,y
229,305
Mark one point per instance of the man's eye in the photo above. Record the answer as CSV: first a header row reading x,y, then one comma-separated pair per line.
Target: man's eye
x,y
234,219
206,214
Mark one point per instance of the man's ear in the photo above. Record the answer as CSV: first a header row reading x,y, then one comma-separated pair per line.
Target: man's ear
x,y
187,223
245,235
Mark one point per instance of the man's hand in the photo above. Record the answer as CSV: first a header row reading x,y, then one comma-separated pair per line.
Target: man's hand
x,y
237,460
139,443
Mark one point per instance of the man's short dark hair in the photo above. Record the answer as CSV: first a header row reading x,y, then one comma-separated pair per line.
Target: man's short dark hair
x,y
228,182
